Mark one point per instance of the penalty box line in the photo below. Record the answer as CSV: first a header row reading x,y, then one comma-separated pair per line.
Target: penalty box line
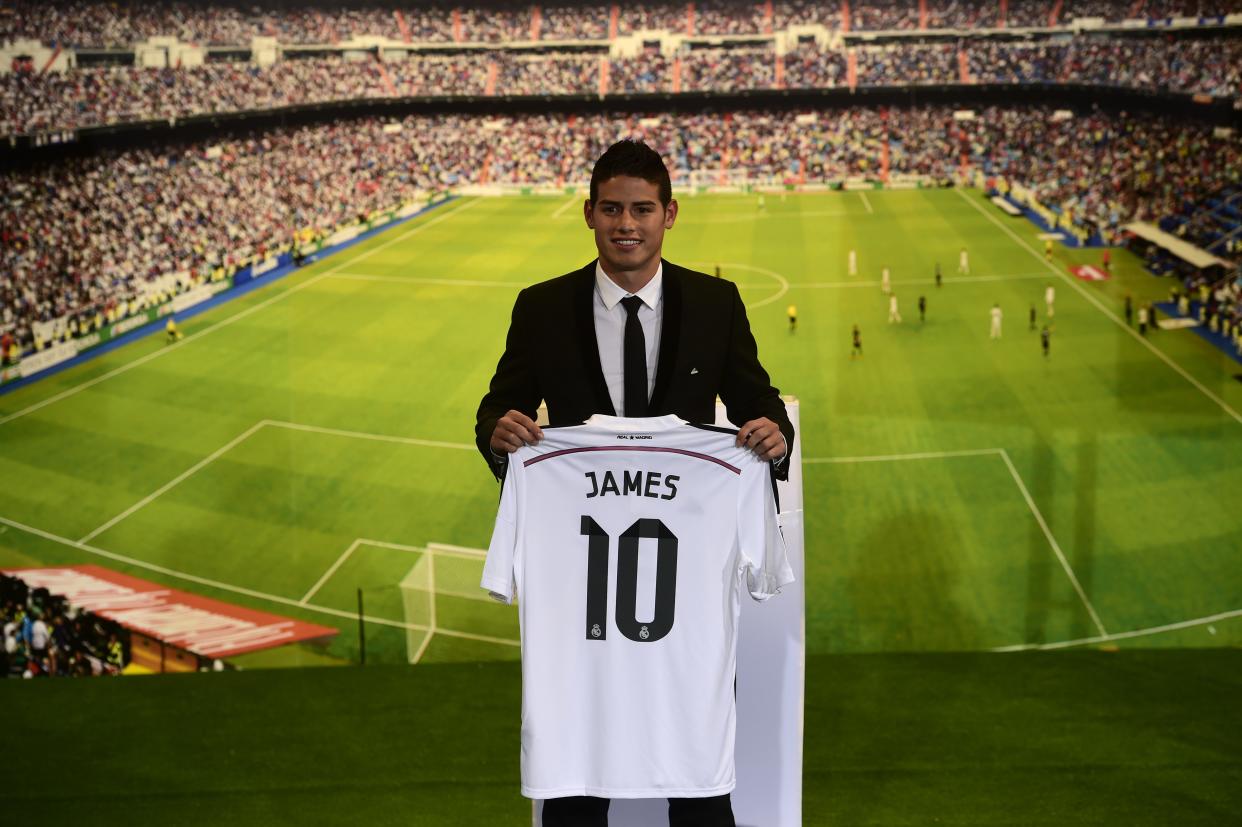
x,y
1026,496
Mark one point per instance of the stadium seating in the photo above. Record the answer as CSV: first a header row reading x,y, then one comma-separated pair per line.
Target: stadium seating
x,y
194,207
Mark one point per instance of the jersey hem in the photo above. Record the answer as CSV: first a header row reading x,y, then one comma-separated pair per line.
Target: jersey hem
x,y
603,792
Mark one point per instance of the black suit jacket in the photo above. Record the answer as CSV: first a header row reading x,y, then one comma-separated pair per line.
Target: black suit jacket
x,y
706,349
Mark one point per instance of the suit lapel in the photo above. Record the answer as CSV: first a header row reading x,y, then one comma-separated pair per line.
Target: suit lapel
x,y
588,344
670,335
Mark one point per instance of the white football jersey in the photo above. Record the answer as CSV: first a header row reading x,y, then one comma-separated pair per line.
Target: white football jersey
x,y
627,542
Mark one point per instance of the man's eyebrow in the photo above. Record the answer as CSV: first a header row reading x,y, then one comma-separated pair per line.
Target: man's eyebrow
x,y
605,202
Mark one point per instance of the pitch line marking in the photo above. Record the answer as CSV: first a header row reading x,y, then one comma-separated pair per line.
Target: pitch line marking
x,y
184,475
413,280
866,201
1089,296
155,354
950,280
781,280
573,199
228,587
1026,496
327,575
1039,518
431,585
1150,630
274,423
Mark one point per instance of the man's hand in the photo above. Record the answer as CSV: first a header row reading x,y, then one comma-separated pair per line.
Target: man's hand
x,y
513,430
764,437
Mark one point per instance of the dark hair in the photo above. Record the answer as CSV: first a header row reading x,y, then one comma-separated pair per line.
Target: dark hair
x,y
635,159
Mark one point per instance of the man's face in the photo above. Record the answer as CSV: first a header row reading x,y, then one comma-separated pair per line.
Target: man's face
x,y
629,223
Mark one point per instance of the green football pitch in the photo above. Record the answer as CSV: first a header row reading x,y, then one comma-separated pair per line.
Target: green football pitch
x,y
963,494
314,437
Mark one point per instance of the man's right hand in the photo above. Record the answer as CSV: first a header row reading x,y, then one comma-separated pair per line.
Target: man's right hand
x,y
513,430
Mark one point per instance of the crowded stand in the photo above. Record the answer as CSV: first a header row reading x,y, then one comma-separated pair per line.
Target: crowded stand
x,y
806,67
31,102
584,22
45,637
93,239
786,13
93,23
547,74
646,73
908,65
725,17
720,70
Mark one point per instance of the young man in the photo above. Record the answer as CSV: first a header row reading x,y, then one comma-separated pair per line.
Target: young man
x,y
1048,249
937,274
1045,337
886,285
1032,317
996,321
853,263
922,308
630,334
1050,296
1142,316
893,315
963,263
856,350
793,317
1129,310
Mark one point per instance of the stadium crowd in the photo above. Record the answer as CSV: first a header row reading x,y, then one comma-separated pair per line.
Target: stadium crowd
x,y
32,102
43,637
92,239
97,23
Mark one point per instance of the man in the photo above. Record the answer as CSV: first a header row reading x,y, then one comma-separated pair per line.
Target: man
x,y
886,285
922,308
937,274
632,335
856,351
996,321
853,263
793,317
1031,317
1130,311
1142,317
1050,296
894,317
1045,339
963,263
1048,249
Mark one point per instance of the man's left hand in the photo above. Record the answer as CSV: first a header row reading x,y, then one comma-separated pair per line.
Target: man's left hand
x,y
764,437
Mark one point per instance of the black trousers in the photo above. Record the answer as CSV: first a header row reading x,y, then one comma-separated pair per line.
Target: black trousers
x,y
586,811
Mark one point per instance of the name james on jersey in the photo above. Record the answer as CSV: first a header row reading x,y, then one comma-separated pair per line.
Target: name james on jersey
x,y
638,483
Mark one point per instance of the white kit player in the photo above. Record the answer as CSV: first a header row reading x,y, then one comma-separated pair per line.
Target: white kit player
x,y
853,263
886,285
963,263
1050,296
628,544
996,321
893,316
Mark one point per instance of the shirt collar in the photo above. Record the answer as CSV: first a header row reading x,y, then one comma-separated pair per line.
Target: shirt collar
x,y
611,293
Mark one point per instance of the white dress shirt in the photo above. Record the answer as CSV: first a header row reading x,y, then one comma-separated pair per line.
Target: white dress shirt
x,y
610,316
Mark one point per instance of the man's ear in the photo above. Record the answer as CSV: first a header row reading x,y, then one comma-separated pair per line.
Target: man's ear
x,y
586,212
670,214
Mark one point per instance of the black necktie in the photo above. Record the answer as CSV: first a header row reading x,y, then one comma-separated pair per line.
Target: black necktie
x,y
635,360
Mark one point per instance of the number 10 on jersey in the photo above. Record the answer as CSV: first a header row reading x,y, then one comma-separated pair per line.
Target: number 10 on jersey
x,y
598,542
